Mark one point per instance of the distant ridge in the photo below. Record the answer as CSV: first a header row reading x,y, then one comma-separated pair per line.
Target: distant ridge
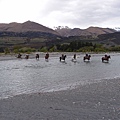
x,y
93,31
25,27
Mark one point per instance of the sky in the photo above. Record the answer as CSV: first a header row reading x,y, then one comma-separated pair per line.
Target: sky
x,y
72,13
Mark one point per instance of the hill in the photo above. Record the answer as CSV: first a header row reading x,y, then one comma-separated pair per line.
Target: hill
x,y
27,26
93,31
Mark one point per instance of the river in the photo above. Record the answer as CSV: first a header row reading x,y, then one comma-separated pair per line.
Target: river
x,y
21,76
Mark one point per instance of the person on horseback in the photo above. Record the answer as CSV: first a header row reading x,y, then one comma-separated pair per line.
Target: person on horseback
x,y
63,57
47,56
37,56
19,55
106,58
74,56
86,57
27,56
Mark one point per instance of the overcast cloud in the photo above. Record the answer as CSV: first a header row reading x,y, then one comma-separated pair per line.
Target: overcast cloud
x,y
72,13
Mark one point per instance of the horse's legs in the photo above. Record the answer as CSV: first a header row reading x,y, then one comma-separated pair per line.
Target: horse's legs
x,y
37,58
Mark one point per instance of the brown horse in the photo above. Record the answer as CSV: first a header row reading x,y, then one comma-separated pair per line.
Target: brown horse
x,y
47,56
37,56
87,57
106,58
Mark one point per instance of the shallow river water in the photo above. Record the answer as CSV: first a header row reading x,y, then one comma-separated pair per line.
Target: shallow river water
x,y
20,76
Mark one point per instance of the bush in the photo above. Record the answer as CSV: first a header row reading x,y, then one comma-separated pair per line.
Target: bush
x,y
43,49
24,50
6,51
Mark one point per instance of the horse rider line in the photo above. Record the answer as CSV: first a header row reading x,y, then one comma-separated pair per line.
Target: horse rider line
x,y
63,57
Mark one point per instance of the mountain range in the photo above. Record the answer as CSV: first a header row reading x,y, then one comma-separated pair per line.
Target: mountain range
x,y
30,26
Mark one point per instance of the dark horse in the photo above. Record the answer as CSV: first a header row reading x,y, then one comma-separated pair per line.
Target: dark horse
x,y
87,57
106,58
19,56
37,56
27,56
63,57
47,56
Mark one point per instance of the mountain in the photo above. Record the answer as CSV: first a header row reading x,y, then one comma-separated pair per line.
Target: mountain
x,y
30,26
99,31
27,26
93,31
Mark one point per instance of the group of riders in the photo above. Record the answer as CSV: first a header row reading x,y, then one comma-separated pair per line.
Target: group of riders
x,y
63,57
37,56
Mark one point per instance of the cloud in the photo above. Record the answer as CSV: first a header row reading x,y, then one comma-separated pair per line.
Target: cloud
x,y
72,13
80,13
18,10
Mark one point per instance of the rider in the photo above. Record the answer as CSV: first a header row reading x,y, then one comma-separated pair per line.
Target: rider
x,y
27,56
47,54
74,56
105,55
37,56
62,55
19,55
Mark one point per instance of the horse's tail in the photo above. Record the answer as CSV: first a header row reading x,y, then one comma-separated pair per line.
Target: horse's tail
x,y
102,59
84,58
60,58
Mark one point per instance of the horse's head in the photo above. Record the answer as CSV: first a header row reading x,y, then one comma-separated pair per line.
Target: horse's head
x,y
89,55
108,56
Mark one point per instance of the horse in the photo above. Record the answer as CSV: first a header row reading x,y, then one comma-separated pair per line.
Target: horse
x,y
46,56
37,56
19,56
106,58
87,57
27,56
63,57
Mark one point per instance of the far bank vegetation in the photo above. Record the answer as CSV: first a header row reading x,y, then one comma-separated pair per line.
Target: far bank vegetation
x,y
74,46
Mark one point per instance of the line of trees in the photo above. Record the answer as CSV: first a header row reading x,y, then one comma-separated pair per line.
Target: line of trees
x,y
75,46
78,46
